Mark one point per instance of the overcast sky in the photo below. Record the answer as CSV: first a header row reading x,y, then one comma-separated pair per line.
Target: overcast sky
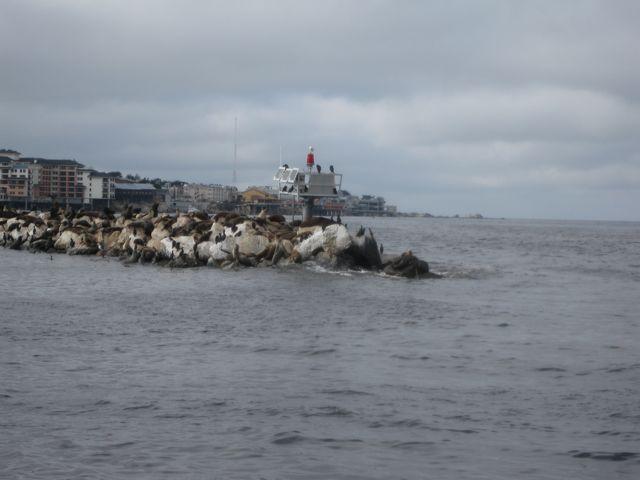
x,y
505,108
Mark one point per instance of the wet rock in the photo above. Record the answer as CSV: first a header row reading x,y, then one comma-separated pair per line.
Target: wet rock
x,y
364,250
409,266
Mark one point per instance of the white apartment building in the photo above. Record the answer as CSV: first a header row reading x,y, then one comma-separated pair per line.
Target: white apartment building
x,y
97,185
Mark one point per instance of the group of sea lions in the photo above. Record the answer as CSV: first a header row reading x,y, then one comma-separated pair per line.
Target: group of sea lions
x,y
225,240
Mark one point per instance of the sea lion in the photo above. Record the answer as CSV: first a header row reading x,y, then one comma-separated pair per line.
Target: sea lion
x,y
316,222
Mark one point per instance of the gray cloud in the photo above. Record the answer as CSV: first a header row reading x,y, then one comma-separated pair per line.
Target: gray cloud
x,y
510,109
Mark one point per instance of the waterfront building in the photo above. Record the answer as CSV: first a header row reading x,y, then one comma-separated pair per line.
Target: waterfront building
x,y
6,163
369,205
18,181
256,199
55,180
140,193
260,195
98,186
213,193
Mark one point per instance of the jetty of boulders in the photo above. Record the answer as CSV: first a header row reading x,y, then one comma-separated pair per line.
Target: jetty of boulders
x,y
224,240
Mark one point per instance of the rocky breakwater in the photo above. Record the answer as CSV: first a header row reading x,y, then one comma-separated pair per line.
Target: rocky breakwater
x,y
226,240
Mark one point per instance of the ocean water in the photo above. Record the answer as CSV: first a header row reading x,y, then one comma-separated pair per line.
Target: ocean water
x,y
522,362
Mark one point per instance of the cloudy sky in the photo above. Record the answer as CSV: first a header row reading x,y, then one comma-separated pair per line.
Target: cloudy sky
x,y
507,108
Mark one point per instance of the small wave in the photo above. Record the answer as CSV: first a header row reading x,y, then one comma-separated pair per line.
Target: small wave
x,y
174,415
80,368
611,456
341,440
623,368
120,445
345,392
408,422
314,267
141,407
287,438
412,445
460,430
550,369
321,351
67,444
265,349
467,273
462,418
294,436
330,411
410,357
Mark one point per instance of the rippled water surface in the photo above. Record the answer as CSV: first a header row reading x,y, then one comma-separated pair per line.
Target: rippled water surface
x,y
523,362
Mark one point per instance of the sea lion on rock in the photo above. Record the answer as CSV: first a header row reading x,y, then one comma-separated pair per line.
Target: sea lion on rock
x,y
145,225
222,216
316,222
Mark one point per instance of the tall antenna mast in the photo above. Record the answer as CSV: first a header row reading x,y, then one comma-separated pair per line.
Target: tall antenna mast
x,y
235,150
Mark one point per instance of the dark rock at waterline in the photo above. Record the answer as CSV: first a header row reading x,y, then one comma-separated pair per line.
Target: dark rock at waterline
x,y
365,252
409,266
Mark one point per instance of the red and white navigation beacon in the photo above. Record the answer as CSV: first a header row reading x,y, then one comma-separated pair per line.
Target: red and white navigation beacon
x,y
307,185
311,160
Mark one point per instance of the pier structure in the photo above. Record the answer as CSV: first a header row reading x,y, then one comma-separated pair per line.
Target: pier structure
x,y
307,184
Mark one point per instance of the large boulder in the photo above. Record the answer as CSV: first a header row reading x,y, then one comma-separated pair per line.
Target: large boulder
x,y
75,241
336,239
252,245
310,246
409,266
333,240
364,250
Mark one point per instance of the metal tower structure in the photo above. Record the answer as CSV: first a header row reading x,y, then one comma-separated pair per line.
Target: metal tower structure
x,y
235,151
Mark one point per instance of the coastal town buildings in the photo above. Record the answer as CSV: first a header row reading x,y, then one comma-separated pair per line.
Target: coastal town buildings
x,y
369,205
257,198
184,195
347,204
215,193
38,182
259,194
8,173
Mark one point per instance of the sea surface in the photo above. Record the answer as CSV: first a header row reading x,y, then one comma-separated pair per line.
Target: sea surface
x,y
522,362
